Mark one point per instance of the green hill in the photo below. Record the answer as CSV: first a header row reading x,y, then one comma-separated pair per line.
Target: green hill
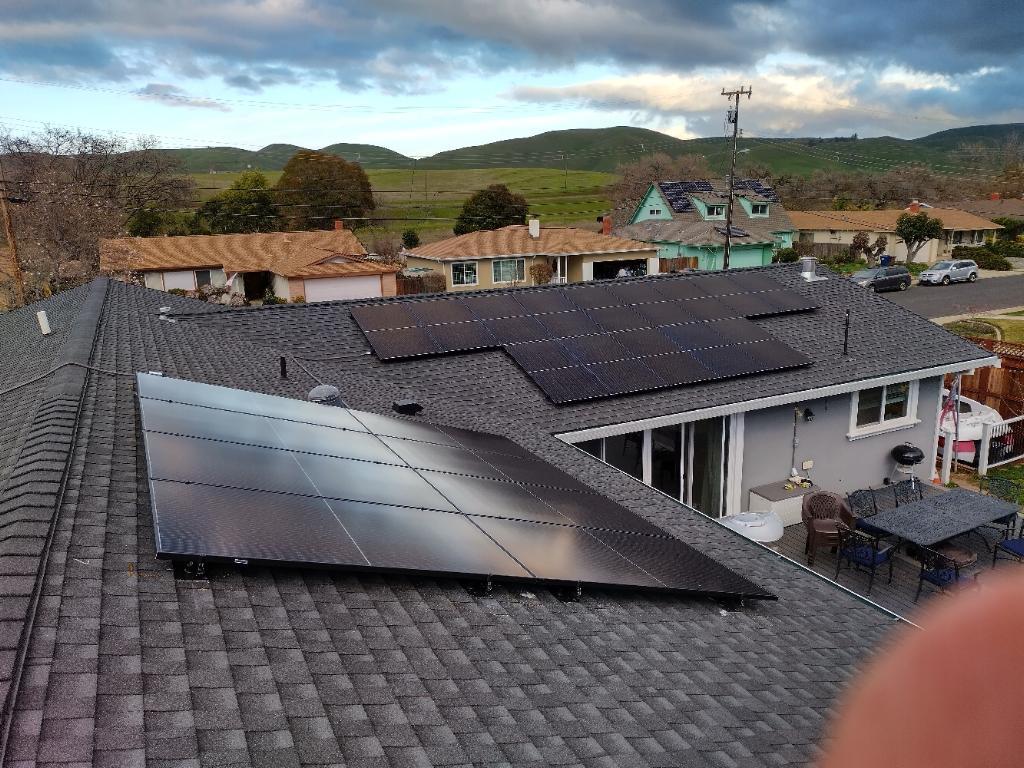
x,y
982,134
274,156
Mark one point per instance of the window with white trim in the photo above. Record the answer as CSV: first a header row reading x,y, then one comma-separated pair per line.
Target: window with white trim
x,y
203,277
654,212
463,273
759,209
880,409
716,211
508,270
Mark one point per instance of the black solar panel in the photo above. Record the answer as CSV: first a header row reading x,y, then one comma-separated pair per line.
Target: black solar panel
x,y
725,362
597,323
734,231
624,376
758,188
677,192
439,501
680,368
377,317
773,355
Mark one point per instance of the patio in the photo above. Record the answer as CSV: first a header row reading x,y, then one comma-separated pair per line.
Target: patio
x,y
899,595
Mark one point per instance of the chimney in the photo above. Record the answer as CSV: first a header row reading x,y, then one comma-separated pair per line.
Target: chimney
x,y
534,228
994,196
606,225
914,207
339,224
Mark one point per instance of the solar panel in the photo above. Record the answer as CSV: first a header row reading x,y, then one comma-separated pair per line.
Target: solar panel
x,y
450,506
378,317
197,421
727,361
454,337
539,355
402,342
616,318
568,324
597,324
624,376
773,355
734,231
680,368
511,330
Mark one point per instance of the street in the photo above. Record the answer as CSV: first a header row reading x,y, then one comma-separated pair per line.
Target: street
x,y
963,298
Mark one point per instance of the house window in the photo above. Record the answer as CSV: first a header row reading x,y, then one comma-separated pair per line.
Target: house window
x,y
508,270
716,210
759,209
880,409
977,237
464,273
655,212
203,278
958,238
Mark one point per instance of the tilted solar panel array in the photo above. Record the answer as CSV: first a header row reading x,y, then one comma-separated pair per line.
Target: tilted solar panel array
x,y
247,478
677,192
602,339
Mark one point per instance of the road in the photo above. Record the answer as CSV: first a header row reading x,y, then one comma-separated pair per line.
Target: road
x,y
963,298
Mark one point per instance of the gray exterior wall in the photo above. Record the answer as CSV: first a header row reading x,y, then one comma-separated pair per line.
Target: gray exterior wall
x,y
840,464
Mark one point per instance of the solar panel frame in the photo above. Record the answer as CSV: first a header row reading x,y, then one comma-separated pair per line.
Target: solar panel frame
x,y
401,343
379,317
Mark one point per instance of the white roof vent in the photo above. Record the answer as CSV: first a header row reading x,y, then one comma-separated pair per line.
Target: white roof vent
x,y
44,322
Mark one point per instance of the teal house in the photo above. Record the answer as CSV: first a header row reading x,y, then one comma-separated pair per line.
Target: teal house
x,y
686,221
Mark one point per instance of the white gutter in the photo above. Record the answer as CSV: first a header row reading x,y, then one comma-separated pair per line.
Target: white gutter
x,y
760,403
446,259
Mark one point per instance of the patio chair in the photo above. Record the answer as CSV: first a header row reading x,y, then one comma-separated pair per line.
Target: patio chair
x,y
863,505
862,551
907,491
1007,490
820,514
936,569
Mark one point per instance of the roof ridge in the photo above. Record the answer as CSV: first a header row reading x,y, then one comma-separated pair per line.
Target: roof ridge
x,y
63,394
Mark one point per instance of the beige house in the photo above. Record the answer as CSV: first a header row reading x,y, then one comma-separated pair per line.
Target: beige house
x,y
501,258
311,266
830,231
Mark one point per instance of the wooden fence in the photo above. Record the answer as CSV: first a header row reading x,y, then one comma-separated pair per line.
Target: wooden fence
x,y
429,283
999,388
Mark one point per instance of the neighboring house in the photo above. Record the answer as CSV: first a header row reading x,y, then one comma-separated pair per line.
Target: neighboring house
x,y
503,257
994,207
832,231
686,221
321,265
113,657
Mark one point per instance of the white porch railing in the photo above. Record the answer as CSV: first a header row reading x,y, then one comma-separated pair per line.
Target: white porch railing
x,y
557,279
1001,443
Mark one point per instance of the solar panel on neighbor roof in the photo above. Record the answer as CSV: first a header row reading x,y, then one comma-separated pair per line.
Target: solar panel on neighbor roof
x,y
387,494
558,330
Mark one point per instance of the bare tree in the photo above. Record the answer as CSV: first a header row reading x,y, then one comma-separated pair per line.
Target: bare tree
x,y
635,178
73,188
387,247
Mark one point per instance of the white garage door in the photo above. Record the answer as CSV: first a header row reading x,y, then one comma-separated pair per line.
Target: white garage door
x,y
332,288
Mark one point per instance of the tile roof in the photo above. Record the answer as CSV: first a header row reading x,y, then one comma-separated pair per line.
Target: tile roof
x,y
884,221
1010,207
515,240
119,663
289,254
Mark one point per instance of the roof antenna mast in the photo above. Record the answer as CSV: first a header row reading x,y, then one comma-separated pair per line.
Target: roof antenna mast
x,y
732,116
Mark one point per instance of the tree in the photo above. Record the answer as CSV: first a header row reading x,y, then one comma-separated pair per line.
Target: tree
x,y
386,248
316,188
73,189
410,238
246,206
636,178
491,208
916,229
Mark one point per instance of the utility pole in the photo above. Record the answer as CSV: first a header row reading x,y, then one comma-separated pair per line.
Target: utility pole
x,y
12,245
565,172
733,116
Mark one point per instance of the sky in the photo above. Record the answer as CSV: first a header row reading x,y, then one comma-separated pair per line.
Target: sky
x,y
421,77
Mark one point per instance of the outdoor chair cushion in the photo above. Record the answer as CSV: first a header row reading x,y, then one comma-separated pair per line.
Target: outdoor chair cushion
x,y
1016,546
940,577
866,555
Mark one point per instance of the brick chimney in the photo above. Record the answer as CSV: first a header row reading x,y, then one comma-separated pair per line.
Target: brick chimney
x,y
339,224
606,225
914,207
994,196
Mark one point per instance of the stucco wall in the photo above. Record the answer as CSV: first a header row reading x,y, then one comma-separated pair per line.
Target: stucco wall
x,y
840,464
389,284
652,199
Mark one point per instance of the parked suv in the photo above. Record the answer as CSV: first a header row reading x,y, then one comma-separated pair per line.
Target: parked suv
x,y
883,278
946,272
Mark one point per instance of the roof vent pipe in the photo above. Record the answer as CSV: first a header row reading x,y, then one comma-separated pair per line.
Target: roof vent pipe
x,y
809,268
534,228
44,322
326,394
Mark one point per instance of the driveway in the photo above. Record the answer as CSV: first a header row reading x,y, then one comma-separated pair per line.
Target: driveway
x,y
963,298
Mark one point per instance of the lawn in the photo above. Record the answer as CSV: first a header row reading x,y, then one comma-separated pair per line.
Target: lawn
x,y
415,199
1012,330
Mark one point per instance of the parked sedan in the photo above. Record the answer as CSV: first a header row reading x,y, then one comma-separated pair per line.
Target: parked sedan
x,y
883,278
946,272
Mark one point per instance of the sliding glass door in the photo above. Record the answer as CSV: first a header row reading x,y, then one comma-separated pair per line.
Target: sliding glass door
x,y
685,461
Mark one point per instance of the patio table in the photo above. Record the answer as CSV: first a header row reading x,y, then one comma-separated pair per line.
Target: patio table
x,y
942,516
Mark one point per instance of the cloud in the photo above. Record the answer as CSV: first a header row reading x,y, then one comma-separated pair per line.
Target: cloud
x,y
174,96
950,58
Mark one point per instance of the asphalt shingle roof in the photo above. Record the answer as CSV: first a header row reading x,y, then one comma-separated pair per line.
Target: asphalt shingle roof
x,y
124,664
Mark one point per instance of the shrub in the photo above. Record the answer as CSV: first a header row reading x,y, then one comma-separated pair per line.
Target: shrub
x,y
178,292
988,257
541,273
410,238
786,256
298,300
